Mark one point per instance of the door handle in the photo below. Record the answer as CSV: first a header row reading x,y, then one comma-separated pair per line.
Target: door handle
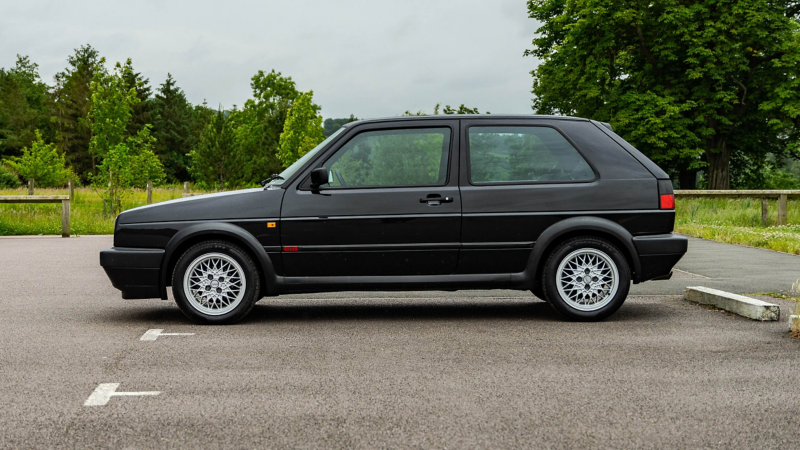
x,y
435,200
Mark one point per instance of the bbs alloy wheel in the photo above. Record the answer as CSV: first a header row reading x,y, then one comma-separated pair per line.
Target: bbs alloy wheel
x,y
215,282
586,278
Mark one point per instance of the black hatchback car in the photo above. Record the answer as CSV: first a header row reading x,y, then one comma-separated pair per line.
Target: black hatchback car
x,y
560,206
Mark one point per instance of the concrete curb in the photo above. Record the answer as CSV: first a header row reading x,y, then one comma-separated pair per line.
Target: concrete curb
x,y
792,320
735,303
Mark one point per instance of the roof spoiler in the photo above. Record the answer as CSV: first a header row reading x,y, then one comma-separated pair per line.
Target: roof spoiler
x,y
607,125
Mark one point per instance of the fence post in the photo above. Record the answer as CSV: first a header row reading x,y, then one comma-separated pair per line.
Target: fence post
x,y
30,186
185,187
65,218
71,188
782,209
764,211
149,192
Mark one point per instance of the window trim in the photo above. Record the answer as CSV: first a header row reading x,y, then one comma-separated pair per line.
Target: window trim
x,y
468,157
305,185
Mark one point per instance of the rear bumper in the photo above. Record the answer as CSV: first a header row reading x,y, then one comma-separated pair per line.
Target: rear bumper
x,y
134,271
658,254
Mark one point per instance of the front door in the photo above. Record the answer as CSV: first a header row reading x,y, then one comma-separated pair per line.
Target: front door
x,y
391,206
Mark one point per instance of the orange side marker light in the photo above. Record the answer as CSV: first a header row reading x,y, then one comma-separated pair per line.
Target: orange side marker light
x,y
271,224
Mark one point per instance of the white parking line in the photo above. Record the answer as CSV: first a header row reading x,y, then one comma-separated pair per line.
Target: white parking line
x,y
152,335
103,393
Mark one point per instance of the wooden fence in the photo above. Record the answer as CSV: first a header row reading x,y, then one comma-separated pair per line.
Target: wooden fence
x,y
63,199
781,195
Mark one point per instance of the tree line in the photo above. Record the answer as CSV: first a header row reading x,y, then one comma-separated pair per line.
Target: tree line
x,y
110,128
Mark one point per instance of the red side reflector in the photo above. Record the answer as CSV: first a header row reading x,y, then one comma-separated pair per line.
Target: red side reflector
x,y
290,249
668,201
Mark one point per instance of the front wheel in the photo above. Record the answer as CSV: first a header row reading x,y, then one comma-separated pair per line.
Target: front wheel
x,y
586,278
215,282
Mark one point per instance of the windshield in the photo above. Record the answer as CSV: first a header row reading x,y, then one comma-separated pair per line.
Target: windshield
x,y
286,174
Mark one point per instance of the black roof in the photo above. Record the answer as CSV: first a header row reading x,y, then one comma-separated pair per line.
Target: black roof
x,y
465,116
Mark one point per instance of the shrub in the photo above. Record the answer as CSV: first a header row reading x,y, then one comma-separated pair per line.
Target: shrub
x,y
43,163
8,179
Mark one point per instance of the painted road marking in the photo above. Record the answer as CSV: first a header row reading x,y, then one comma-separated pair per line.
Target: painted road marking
x,y
152,335
103,393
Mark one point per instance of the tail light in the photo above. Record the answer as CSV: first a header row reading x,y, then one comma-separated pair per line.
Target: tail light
x,y
668,201
666,197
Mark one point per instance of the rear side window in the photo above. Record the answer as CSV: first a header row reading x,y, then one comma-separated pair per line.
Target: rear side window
x,y
523,154
409,157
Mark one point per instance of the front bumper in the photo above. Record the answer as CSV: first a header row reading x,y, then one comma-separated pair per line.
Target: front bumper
x,y
658,254
134,271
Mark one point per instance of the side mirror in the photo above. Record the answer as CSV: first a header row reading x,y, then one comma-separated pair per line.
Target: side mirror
x,y
319,176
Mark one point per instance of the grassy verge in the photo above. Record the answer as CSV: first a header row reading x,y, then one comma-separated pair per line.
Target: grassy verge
x,y
738,221
86,215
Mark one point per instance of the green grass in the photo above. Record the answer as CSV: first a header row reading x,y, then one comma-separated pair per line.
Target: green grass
x,y
738,221
86,215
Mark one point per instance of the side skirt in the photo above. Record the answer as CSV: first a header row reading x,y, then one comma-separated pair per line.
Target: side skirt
x,y
296,285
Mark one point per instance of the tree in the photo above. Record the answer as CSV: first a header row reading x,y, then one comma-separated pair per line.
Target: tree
x,y
43,163
141,112
689,83
216,161
329,126
447,110
71,104
172,127
24,106
127,160
263,121
303,130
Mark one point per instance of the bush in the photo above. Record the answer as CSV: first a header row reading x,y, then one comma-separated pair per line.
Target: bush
x,y
8,179
43,163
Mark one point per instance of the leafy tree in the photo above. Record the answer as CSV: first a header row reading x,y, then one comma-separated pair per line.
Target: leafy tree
x,y
8,179
689,83
173,118
303,130
329,126
263,121
216,161
43,163
24,106
71,104
127,160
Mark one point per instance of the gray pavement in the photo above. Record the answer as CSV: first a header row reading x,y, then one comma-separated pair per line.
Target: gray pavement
x,y
468,369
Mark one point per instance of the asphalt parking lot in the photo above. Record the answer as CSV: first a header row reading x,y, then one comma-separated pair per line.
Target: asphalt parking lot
x,y
471,369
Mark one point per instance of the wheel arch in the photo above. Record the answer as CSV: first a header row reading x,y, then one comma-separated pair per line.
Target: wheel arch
x,y
583,226
195,234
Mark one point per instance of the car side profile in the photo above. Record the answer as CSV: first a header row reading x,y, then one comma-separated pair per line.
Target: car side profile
x,y
559,206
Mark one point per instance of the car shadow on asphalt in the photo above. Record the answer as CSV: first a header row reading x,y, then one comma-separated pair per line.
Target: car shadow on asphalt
x,y
417,310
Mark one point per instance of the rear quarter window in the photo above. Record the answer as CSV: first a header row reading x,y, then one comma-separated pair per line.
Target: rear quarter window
x,y
523,154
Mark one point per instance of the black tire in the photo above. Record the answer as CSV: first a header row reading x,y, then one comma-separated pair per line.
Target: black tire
x,y
224,252
606,253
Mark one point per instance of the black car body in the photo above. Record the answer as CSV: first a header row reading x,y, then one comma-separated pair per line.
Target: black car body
x,y
504,194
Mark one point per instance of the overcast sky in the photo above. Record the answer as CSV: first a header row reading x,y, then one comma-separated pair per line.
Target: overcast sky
x,y
371,58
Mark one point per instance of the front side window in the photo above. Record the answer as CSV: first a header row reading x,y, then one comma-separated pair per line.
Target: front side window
x,y
409,157
523,154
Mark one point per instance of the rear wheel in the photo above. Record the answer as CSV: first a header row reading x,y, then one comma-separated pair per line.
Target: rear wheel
x,y
215,282
586,278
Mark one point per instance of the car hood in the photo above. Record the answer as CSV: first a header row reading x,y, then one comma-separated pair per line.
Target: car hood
x,y
242,204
